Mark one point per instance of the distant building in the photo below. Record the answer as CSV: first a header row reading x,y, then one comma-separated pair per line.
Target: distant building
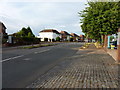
x,y
49,35
3,33
65,36
12,38
75,37
89,40
82,38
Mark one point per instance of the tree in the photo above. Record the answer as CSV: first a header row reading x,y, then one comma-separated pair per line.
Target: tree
x,y
111,38
30,34
57,38
71,39
100,18
26,36
30,31
25,32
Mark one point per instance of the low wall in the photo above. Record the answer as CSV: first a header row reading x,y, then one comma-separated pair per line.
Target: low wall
x,y
113,53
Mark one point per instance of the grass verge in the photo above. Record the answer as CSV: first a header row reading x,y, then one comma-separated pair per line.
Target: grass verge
x,y
37,46
98,45
86,45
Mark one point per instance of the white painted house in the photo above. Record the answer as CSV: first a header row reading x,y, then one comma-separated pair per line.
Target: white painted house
x,y
49,35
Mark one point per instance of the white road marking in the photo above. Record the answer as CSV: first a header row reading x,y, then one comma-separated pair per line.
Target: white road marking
x,y
11,58
42,51
22,56
27,59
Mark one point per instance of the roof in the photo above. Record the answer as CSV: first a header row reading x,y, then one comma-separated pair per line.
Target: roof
x,y
73,34
3,25
64,32
81,35
50,30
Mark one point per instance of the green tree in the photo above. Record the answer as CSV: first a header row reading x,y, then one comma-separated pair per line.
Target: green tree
x,y
57,38
111,38
100,18
26,36
25,32
30,31
30,34
71,39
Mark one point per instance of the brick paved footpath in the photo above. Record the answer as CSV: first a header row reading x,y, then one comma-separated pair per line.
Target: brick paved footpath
x,y
88,68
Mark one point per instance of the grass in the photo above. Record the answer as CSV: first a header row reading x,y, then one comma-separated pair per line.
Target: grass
x,y
97,44
86,45
44,45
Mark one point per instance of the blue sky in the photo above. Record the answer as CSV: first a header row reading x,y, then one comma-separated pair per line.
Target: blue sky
x,y
39,15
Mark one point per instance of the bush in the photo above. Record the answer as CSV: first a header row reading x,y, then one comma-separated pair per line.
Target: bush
x,y
30,40
57,38
71,39
4,41
53,40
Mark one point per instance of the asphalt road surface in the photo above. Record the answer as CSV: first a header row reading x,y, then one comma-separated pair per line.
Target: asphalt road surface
x,y
20,67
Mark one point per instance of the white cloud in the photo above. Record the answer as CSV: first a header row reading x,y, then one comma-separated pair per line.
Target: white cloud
x,y
38,15
76,25
44,0
62,26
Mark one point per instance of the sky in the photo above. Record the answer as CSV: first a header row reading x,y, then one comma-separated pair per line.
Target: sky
x,y
61,15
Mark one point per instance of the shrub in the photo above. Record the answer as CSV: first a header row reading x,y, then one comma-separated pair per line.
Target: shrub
x,y
4,41
71,39
57,38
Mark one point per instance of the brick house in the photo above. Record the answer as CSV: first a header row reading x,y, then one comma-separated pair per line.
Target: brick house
x,y
3,33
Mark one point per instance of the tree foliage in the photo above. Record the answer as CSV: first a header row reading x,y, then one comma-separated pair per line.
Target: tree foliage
x,y
100,18
71,39
26,36
57,38
25,32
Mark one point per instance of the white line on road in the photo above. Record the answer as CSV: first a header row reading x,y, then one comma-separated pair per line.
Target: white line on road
x,y
42,51
27,59
11,58
22,56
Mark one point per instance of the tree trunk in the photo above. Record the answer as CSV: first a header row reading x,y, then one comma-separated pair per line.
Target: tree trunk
x,y
105,41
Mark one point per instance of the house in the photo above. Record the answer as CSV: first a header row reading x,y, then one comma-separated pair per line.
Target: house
x,y
3,33
65,36
75,37
89,40
49,35
82,38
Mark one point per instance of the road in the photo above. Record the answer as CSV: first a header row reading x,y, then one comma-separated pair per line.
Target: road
x,y
20,67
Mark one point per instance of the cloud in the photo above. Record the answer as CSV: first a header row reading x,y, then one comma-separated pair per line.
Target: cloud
x,y
40,15
62,26
75,24
44,0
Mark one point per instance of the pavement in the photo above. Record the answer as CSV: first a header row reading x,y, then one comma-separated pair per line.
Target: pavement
x,y
87,68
